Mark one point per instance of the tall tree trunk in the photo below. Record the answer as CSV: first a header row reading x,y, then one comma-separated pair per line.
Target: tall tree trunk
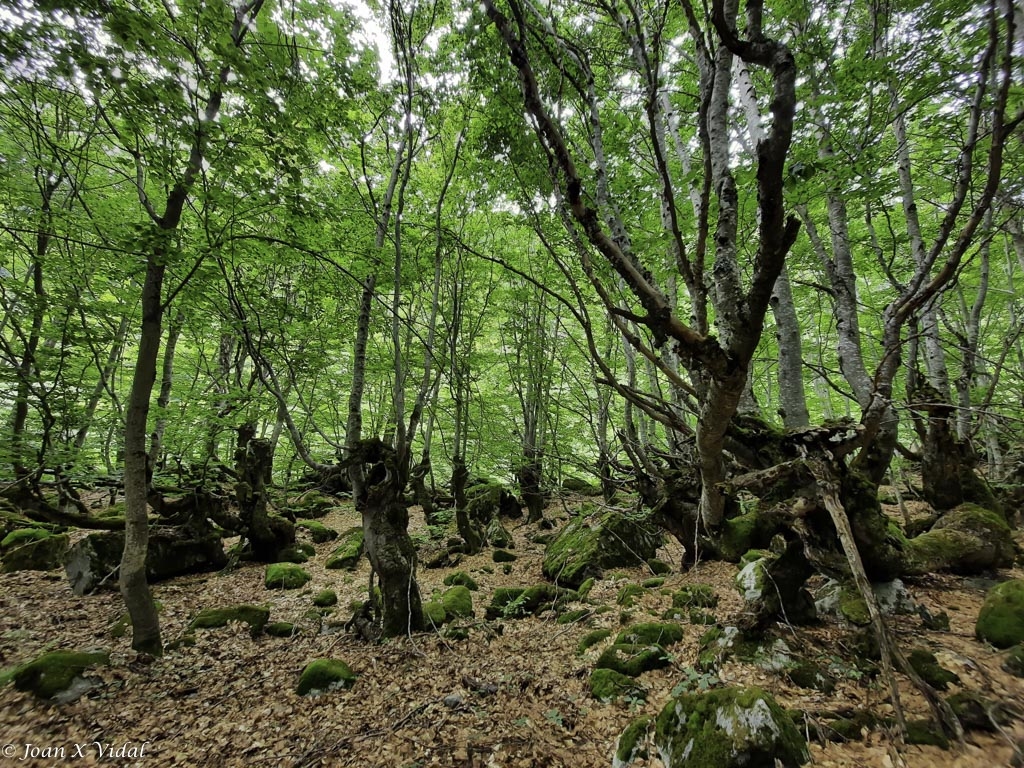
x,y
134,586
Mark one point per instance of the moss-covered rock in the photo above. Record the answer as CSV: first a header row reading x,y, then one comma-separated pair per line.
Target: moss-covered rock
x,y
325,598
853,607
285,576
585,587
458,602
1001,619
281,629
773,587
256,616
319,532
632,742
807,674
977,713
172,551
728,728
348,552
966,540
324,675
695,596
628,595
298,553
312,505
927,666
461,578
591,543
58,675
485,501
659,567
633,660
582,487
926,733
654,583
608,685
1014,661
434,613
46,553
498,535
591,639
571,617
650,634
739,534
503,556
20,536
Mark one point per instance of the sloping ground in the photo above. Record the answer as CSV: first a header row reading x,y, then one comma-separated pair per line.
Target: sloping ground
x,y
230,701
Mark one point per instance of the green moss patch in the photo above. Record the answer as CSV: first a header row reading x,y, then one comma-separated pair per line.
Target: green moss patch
x,y
281,629
591,543
319,532
608,685
511,602
285,576
651,634
348,552
927,666
628,595
434,613
591,639
22,536
659,567
632,741
323,675
1001,619
325,598
695,596
458,602
253,615
633,660
55,673
461,578
503,556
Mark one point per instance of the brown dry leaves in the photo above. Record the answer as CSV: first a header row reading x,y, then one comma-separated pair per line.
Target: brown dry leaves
x,y
421,701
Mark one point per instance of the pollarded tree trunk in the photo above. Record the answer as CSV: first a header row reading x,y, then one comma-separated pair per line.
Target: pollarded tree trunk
x,y
386,536
254,461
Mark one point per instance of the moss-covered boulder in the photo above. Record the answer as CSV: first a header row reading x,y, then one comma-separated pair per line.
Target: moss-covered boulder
x,y
503,556
457,602
582,487
434,613
285,576
498,535
281,629
633,660
300,552
20,536
659,567
772,587
486,501
1014,661
59,675
461,578
628,595
317,531
591,639
590,543
927,666
1001,619
35,553
966,540
323,675
256,616
172,552
652,633
608,685
739,534
348,552
325,598
632,742
695,596
311,505
728,728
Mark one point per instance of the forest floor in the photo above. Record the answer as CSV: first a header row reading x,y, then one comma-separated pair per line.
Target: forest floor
x,y
230,700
